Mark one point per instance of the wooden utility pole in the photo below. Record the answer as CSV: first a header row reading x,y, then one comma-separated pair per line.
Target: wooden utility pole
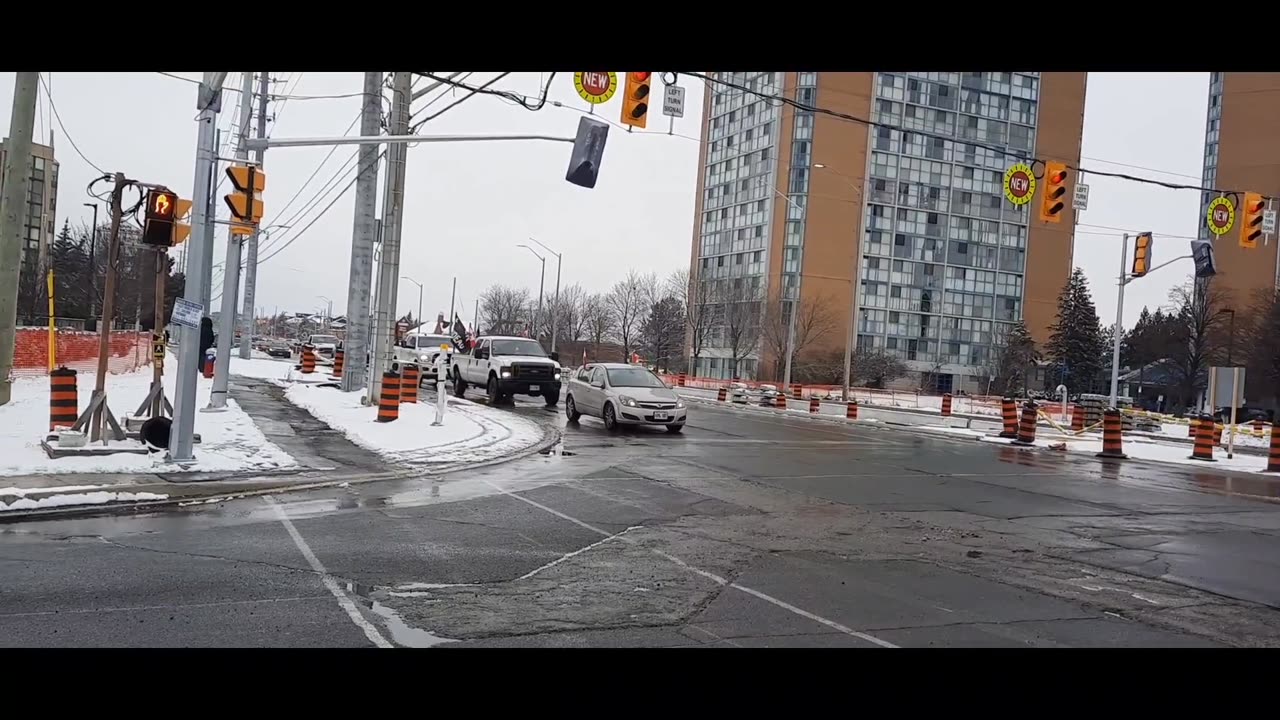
x,y
98,413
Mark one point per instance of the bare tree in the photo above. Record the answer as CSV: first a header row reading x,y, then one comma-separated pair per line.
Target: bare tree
x,y
695,296
740,313
598,321
504,310
1012,354
628,302
873,367
1197,306
814,321
1259,335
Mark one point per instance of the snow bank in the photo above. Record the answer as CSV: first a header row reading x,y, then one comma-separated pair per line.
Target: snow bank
x,y
92,498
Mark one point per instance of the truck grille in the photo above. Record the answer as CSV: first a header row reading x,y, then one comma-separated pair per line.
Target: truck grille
x,y
532,372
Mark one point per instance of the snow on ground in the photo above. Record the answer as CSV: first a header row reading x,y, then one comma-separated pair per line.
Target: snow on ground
x,y
92,498
470,433
229,440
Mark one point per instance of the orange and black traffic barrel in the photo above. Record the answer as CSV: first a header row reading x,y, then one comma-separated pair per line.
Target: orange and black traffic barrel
x,y
63,398
339,358
1112,435
389,399
1009,417
851,410
946,405
780,401
1273,457
1204,439
722,394
814,405
797,391
409,383
1027,426
1077,419
308,360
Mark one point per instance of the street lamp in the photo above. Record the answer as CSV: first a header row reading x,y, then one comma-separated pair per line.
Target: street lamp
x,y
415,282
851,333
555,307
791,323
542,282
328,315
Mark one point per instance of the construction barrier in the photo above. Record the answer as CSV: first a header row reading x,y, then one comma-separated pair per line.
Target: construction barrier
x,y
722,394
1112,435
797,391
851,411
780,401
389,399
64,399
946,405
409,383
208,365
1204,440
1273,455
680,380
308,360
1009,418
1077,419
339,359
814,405
127,351
1027,427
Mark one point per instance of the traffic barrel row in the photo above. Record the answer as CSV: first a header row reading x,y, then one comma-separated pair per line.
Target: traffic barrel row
x,y
64,398
389,398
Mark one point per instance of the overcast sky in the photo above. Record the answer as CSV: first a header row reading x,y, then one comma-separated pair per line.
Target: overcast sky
x,y
470,204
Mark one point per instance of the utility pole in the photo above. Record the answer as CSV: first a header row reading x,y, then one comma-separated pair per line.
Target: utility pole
x,y
97,411
13,213
791,339
251,262
206,281
393,214
363,237
199,262
231,267
453,296
1115,347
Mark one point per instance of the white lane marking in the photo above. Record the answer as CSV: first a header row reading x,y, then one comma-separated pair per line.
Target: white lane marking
x,y
575,553
698,571
344,601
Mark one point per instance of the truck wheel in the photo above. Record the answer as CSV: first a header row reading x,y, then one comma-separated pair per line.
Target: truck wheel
x,y
459,385
551,396
495,396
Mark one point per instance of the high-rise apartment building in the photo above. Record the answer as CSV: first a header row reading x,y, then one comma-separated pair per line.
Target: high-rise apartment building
x,y
1242,153
42,202
789,200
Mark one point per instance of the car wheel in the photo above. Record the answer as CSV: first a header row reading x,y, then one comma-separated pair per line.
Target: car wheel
x,y
571,410
459,385
673,429
495,396
610,418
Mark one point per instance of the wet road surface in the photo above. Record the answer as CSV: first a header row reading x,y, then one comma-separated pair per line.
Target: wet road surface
x,y
747,530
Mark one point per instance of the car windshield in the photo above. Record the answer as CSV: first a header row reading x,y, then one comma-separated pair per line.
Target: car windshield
x,y
633,377
332,339
517,347
433,341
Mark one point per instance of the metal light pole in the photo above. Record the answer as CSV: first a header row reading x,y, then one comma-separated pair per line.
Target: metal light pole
x,y
415,282
853,300
328,312
93,261
555,307
1115,349
541,284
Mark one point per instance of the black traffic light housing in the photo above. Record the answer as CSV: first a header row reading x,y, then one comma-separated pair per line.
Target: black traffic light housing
x,y
157,226
1202,256
588,151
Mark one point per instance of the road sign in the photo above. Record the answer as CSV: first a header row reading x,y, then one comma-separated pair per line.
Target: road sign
x,y
1221,216
673,101
595,87
1019,184
1268,222
1081,199
187,313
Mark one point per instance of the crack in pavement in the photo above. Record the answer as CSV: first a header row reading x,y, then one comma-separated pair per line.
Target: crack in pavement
x,y
177,606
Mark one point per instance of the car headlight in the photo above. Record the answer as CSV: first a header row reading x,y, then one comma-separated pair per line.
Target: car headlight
x,y
506,373
628,401
424,358
679,403
557,374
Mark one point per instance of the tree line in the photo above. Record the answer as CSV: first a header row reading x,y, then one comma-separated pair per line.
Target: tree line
x,y
80,269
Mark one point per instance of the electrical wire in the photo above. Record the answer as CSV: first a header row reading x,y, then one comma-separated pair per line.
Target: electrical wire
x,y
473,92
315,172
179,77
515,97
56,116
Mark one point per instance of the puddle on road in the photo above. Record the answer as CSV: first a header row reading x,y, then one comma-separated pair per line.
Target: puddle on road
x,y
401,632
557,450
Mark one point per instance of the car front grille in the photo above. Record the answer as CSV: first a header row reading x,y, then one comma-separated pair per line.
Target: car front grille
x,y
533,373
657,405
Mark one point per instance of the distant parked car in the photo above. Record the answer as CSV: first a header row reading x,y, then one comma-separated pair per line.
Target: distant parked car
x,y
278,349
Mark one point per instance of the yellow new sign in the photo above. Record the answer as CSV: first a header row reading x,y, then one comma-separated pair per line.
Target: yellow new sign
x,y
1019,184
1221,216
595,87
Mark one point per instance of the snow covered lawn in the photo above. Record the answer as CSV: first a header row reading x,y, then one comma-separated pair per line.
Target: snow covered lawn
x,y
471,432
229,440
69,495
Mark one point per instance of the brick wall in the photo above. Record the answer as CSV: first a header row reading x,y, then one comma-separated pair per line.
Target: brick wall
x,y
79,350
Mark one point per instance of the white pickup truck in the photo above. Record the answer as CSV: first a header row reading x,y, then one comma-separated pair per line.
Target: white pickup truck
x,y
505,366
325,345
421,350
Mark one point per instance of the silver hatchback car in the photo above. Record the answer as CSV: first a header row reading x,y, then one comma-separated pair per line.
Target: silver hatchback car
x,y
622,394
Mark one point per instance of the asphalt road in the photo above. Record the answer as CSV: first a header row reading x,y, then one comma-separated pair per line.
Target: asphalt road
x,y
747,530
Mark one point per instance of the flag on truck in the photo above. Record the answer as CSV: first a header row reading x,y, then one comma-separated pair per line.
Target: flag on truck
x,y
460,340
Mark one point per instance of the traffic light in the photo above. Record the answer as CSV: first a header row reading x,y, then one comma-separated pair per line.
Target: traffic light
x,y
181,229
1202,256
635,99
588,150
157,227
1251,224
1141,255
244,201
1055,190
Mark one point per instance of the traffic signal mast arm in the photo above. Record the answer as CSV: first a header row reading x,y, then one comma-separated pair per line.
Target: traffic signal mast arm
x,y
1130,278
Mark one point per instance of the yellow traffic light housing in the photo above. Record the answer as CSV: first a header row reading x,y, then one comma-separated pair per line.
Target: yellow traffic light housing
x,y
245,203
1053,201
1251,223
157,226
181,229
635,99
1141,255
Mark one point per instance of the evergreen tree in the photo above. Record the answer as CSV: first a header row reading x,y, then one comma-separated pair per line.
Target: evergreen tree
x,y
1076,341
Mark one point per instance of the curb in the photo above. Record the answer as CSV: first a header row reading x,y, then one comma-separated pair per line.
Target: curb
x,y
551,436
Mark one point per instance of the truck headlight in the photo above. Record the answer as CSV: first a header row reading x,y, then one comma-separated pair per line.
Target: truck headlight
x,y
628,401
557,375
424,358
506,373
